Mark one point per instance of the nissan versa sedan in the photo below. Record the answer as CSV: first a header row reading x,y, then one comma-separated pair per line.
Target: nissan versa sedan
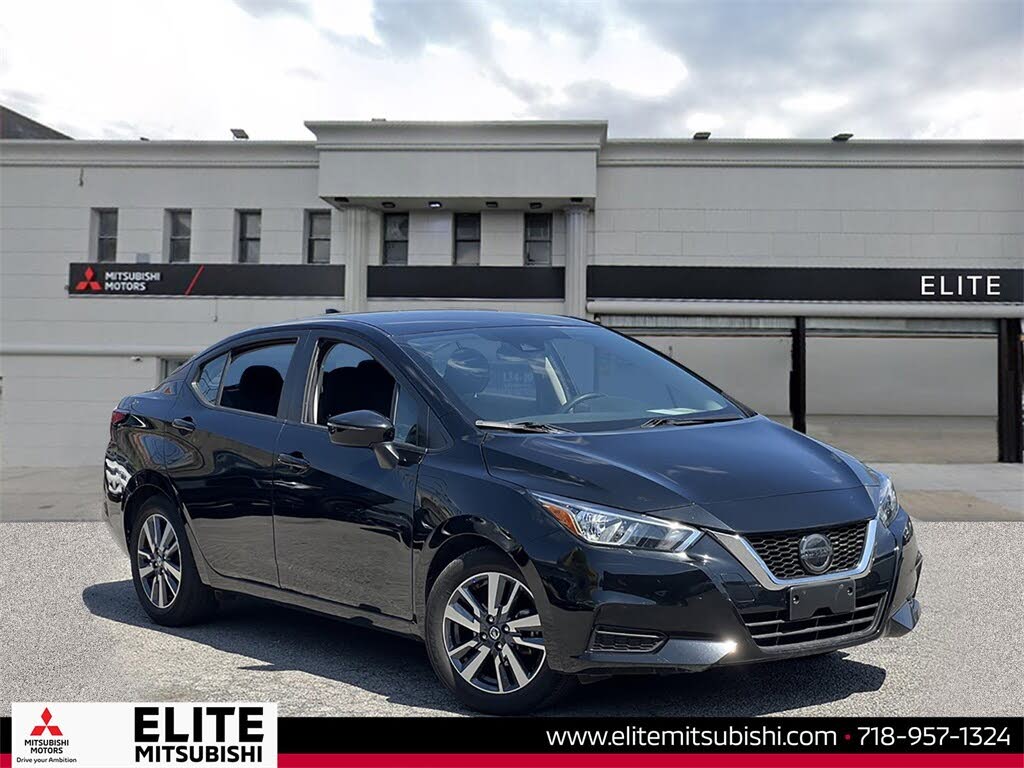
x,y
539,499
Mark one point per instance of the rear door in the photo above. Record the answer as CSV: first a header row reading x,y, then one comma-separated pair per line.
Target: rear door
x,y
343,524
224,436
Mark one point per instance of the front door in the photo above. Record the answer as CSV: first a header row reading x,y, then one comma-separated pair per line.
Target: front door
x,y
343,523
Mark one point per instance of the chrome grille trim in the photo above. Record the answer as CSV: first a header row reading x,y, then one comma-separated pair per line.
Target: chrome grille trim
x,y
742,551
783,633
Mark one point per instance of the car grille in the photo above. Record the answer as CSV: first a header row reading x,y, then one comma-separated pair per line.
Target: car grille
x,y
781,551
628,642
773,629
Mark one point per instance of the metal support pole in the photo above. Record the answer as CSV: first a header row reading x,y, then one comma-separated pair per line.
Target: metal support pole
x,y
1010,426
798,376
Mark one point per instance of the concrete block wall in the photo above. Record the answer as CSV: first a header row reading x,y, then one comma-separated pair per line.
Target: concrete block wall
x,y
817,216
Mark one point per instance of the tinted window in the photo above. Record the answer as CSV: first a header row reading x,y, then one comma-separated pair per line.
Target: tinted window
x,y
396,238
407,418
348,379
208,382
569,376
255,378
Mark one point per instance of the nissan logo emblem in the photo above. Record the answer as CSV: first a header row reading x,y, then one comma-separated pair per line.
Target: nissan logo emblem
x,y
815,553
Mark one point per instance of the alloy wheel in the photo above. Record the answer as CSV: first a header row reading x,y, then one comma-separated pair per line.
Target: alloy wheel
x,y
492,633
159,558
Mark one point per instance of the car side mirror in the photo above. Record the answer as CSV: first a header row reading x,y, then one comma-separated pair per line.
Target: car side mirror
x,y
360,429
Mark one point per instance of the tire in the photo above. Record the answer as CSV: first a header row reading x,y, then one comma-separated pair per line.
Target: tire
x,y
513,676
170,601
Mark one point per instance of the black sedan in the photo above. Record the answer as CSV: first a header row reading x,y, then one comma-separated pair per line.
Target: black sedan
x,y
538,498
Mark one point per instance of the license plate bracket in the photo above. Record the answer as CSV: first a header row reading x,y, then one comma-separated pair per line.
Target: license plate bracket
x,y
836,597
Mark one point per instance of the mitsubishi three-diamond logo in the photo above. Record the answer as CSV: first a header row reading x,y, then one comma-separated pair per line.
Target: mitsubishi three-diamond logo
x,y
48,725
90,282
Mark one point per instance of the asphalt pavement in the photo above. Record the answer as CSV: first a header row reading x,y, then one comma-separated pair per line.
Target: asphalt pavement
x,y
72,630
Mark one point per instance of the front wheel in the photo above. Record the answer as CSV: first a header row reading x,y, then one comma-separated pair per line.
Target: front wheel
x,y
485,639
166,580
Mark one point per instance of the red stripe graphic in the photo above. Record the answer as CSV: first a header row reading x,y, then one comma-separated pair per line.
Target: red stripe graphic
x,y
195,277
889,760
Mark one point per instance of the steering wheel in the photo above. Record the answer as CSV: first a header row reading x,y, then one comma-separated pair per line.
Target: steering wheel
x,y
568,407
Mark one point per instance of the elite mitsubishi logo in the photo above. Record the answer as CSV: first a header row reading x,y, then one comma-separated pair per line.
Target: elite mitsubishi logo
x,y
42,748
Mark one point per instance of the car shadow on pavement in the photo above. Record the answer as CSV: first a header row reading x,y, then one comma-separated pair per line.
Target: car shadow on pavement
x,y
284,639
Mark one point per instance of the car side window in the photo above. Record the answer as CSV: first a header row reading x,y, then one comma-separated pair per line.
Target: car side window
x,y
207,383
407,419
255,377
348,379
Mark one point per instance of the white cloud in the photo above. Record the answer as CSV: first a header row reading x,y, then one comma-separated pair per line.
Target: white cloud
x,y
195,68
703,121
815,102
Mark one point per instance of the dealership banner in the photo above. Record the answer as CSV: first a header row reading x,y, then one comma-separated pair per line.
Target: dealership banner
x,y
122,735
116,735
116,279
805,284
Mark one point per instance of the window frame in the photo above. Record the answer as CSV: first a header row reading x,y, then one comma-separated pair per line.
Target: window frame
x,y
311,238
172,238
527,239
319,344
385,240
243,237
99,237
456,239
240,347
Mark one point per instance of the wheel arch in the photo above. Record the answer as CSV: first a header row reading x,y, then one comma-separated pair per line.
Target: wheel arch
x,y
454,538
142,487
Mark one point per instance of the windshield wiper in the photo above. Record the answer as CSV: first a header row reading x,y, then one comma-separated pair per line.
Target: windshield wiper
x,y
518,426
669,421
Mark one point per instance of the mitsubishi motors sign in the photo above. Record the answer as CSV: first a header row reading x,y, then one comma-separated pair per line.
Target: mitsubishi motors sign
x,y
112,279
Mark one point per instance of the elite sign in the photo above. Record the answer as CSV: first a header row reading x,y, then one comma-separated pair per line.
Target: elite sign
x,y
109,735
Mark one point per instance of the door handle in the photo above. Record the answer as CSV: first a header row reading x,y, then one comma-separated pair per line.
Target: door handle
x,y
184,424
293,460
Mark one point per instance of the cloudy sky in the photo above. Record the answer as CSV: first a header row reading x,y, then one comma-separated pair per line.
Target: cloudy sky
x,y
775,69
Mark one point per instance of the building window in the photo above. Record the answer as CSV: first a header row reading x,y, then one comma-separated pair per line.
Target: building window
x,y
318,237
179,238
467,239
249,237
106,234
169,365
537,241
396,238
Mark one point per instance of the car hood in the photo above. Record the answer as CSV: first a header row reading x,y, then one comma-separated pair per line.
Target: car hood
x,y
743,476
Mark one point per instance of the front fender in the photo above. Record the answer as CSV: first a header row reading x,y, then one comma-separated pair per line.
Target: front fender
x,y
454,505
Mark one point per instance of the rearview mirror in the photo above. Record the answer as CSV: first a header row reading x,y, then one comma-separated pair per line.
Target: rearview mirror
x,y
360,429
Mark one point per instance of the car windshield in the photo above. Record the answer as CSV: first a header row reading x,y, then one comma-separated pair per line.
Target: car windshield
x,y
575,378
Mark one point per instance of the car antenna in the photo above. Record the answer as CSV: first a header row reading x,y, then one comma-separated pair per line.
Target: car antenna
x,y
331,311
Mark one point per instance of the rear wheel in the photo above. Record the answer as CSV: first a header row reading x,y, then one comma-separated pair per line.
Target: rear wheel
x,y
485,639
166,580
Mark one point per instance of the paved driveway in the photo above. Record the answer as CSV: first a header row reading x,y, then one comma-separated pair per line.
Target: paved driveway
x,y
71,629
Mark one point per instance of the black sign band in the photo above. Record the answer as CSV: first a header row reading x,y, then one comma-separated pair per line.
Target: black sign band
x,y
805,284
111,279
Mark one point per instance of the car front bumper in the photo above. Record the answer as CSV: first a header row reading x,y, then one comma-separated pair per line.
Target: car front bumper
x,y
704,609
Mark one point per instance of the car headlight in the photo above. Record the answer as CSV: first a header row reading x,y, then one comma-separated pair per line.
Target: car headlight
x,y
615,528
888,504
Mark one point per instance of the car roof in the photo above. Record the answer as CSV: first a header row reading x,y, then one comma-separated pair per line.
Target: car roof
x,y
404,322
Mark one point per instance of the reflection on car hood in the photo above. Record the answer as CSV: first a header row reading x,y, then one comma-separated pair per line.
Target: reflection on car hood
x,y
748,475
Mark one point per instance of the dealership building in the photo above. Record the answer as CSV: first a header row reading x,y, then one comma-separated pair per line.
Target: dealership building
x,y
835,284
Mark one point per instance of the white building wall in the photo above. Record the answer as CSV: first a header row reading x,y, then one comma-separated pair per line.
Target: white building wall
x,y
827,216
655,208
